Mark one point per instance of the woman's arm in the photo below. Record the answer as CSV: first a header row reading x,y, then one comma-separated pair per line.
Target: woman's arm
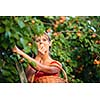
x,y
39,66
18,51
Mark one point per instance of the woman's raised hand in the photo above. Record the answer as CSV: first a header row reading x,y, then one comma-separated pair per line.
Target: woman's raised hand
x,y
15,49
42,49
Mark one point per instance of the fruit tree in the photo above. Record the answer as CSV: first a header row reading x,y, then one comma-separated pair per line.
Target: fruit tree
x,y
75,43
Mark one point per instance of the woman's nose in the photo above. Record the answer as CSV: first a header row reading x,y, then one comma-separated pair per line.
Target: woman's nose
x,y
41,42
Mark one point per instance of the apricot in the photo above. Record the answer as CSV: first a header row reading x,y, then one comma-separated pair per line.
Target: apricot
x,y
94,35
78,34
33,21
29,44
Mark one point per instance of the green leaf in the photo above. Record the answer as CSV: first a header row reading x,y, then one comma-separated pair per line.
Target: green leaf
x,y
6,73
1,30
9,80
34,48
18,56
33,64
4,45
38,27
27,18
21,24
23,41
27,49
7,34
1,63
25,65
74,36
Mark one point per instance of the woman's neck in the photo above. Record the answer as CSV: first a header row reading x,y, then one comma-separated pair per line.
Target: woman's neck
x,y
43,56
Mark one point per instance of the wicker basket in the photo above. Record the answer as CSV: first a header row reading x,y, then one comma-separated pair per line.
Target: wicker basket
x,y
50,79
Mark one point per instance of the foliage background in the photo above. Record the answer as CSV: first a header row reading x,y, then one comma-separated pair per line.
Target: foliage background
x,y
75,43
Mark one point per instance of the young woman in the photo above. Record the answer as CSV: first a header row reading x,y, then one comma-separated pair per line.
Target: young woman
x,y
47,70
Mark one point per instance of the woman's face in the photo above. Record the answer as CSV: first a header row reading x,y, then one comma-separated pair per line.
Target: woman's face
x,y
43,43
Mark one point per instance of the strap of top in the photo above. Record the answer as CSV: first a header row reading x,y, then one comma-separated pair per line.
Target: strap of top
x,y
55,62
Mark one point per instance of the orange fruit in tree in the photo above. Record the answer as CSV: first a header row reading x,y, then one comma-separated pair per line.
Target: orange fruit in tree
x,y
61,21
55,34
96,62
29,44
97,41
63,18
94,35
33,21
78,34
48,30
78,57
22,60
57,22
75,27
55,26
68,60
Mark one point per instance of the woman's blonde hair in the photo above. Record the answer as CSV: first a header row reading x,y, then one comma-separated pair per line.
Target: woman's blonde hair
x,y
45,33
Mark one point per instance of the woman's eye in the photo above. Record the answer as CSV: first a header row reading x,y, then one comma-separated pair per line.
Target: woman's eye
x,y
44,39
38,40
